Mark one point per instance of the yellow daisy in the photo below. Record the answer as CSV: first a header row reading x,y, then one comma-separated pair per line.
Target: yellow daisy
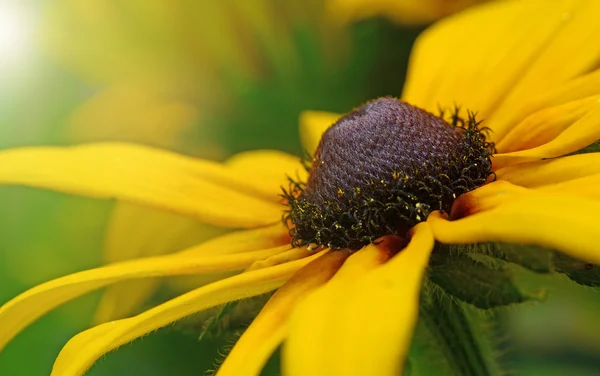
x,y
530,69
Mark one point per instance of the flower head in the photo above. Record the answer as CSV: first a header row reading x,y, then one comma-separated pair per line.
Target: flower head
x,y
383,168
342,312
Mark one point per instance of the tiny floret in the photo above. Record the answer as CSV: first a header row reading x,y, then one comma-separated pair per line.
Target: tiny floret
x,y
383,168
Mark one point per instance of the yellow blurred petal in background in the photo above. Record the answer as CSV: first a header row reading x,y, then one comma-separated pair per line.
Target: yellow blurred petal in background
x,y
405,12
137,231
312,126
127,112
161,68
272,168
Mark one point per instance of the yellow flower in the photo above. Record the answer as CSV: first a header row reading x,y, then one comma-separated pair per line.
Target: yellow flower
x,y
528,68
405,12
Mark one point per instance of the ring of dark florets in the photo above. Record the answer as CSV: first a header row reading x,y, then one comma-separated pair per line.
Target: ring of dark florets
x,y
393,201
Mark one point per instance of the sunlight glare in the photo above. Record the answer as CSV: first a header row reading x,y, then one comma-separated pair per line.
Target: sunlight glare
x,y
15,34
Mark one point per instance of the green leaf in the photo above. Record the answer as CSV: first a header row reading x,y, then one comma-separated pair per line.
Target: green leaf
x,y
211,325
534,258
459,334
232,317
581,272
531,257
482,285
593,148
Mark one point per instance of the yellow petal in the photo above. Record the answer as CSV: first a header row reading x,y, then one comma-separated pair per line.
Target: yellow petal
x,y
309,317
186,283
237,242
360,324
573,95
579,135
101,43
474,58
138,231
573,90
481,61
280,258
33,303
312,126
85,348
272,168
135,231
200,189
243,241
268,329
587,186
486,198
540,173
576,37
138,114
124,298
565,223
545,125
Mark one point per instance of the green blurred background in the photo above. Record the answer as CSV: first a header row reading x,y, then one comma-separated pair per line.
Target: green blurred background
x,y
208,79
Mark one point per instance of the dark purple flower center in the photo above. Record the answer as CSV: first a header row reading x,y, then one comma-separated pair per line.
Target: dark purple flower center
x,y
383,168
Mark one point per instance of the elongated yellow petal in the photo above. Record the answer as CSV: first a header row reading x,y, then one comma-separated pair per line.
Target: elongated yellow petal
x,y
271,168
33,303
138,113
361,325
187,283
579,135
565,223
268,329
200,189
564,97
312,126
243,241
486,198
139,231
540,173
475,58
280,258
136,231
86,347
587,186
122,299
543,126
309,321
478,59
232,243
576,37
573,90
